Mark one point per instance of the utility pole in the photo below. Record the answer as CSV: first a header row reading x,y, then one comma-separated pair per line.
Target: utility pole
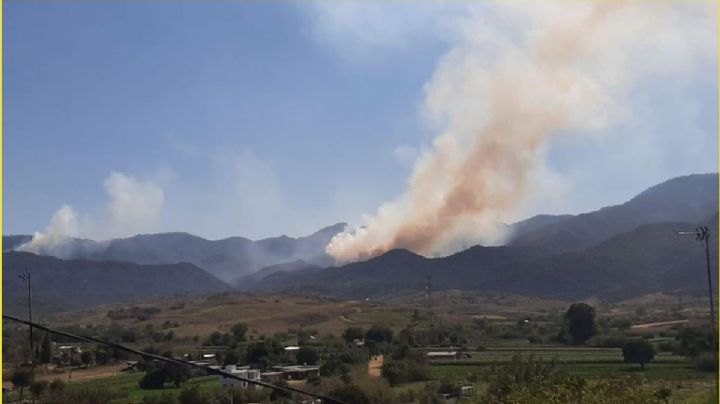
x,y
26,277
428,292
702,233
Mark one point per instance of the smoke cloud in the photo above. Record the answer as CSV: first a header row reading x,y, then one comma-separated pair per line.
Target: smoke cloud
x,y
517,77
135,206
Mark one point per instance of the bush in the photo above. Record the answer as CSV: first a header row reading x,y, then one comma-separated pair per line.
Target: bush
x,y
38,388
398,372
194,396
528,381
138,313
164,398
21,378
638,351
232,357
580,322
306,356
379,334
153,379
705,362
350,394
670,346
57,386
352,333
608,341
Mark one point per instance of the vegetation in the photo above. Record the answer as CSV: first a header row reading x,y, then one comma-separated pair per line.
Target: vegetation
x,y
134,312
21,378
353,333
510,356
580,322
307,356
638,351
46,350
350,395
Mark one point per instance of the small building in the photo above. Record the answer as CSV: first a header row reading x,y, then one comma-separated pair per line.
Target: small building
x,y
467,392
291,351
241,371
299,372
272,377
443,355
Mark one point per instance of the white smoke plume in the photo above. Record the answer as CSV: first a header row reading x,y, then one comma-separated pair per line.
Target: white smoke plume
x,y
135,206
519,75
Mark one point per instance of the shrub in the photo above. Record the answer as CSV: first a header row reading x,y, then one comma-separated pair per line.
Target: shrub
x,y
38,388
705,362
397,372
352,333
153,379
194,396
164,398
21,378
638,351
350,394
306,355
379,334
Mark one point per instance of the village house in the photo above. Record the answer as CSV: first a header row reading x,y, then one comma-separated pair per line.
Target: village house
x,y
241,371
299,372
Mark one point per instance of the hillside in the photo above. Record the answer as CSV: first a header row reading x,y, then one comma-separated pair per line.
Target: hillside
x,y
12,242
688,199
651,258
615,252
228,259
251,281
399,271
70,284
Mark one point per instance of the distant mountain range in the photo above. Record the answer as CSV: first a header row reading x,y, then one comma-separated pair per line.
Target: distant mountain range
x,y
612,253
228,259
72,284
689,199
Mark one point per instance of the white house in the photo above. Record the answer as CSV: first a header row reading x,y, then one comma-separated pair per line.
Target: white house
x,y
241,371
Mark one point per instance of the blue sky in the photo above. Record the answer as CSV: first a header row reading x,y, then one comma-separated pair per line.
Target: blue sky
x,y
259,119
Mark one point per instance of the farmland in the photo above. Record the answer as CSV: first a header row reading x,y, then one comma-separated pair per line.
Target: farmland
x,y
496,334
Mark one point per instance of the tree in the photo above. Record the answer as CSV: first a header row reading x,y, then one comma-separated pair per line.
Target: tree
x,y
638,351
306,356
350,394
394,372
580,322
694,340
352,333
379,334
232,357
46,350
238,331
38,388
87,357
177,374
21,378
153,379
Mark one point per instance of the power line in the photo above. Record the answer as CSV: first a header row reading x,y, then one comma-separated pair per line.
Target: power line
x,y
208,369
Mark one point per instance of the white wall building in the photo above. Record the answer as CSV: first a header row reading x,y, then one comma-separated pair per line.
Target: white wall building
x,y
241,371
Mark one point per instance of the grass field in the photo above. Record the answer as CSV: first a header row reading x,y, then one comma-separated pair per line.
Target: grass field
x,y
270,313
483,317
125,386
